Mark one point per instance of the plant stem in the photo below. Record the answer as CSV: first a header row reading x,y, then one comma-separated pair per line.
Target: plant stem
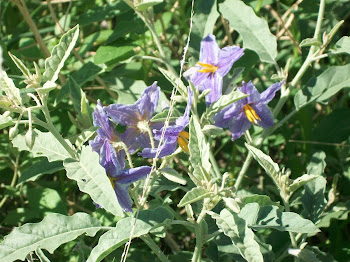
x,y
243,171
14,179
198,231
155,248
212,159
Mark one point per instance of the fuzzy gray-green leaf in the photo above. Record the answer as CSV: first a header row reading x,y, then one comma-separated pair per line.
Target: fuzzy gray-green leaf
x,y
194,195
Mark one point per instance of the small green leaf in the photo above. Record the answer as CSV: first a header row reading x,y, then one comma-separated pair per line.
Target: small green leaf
x,y
300,181
323,87
199,150
211,130
259,217
317,163
144,4
304,254
85,136
49,234
310,42
241,236
254,30
59,54
92,179
11,91
174,81
313,199
342,46
339,212
261,200
172,175
111,240
122,51
224,101
20,65
5,121
194,195
45,145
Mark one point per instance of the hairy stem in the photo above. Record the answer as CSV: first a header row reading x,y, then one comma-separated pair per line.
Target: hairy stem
x,y
155,248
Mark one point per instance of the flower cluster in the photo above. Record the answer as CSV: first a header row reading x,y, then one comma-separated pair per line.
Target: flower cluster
x,y
144,135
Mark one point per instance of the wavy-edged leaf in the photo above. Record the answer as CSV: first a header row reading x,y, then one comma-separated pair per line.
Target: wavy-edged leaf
x,y
310,42
45,145
92,179
59,54
20,65
261,200
199,149
144,4
300,181
194,195
5,121
254,30
146,221
259,217
342,46
321,88
53,231
339,212
172,175
241,236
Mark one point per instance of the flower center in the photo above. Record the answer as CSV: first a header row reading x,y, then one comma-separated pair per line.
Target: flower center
x,y
143,126
251,114
207,68
182,139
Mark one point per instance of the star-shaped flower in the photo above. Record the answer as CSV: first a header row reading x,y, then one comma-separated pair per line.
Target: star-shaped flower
x,y
240,115
214,64
137,118
173,135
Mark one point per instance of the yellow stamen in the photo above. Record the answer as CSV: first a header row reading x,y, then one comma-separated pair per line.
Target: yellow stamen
x,y
251,114
112,179
207,68
183,140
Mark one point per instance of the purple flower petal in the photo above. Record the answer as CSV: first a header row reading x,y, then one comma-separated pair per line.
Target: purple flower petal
x,y
209,50
129,176
227,56
123,114
122,192
97,143
148,102
101,119
265,115
144,140
166,149
270,92
109,160
170,135
129,137
238,125
214,83
249,89
223,117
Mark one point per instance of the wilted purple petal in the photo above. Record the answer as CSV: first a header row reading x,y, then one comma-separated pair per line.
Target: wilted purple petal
x,y
227,56
123,114
122,192
109,160
265,115
129,176
209,50
97,143
101,119
148,102
239,125
270,92
185,119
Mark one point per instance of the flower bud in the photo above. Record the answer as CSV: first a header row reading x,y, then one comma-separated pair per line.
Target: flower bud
x,y
29,138
13,132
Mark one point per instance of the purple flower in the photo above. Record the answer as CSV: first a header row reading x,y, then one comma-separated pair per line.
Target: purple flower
x,y
239,116
214,64
173,135
137,118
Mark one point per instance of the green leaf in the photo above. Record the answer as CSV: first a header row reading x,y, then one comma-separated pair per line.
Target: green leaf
x,y
310,42
259,217
174,81
317,164
20,65
85,136
92,179
11,91
305,255
254,30
122,51
313,199
59,54
40,168
261,200
172,175
204,19
48,234
321,88
224,101
199,149
111,240
342,46
45,145
265,161
241,236
5,121
339,212
194,195
300,181
144,4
